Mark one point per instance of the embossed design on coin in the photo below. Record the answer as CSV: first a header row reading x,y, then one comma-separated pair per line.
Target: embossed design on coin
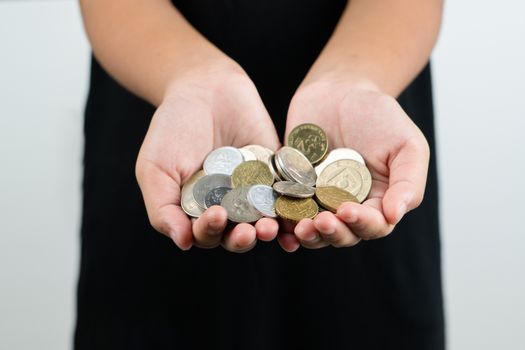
x,y
311,140
293,189
208,183
294,166
253,172
338,154
331,197
215,196
239,209
295,209
261,153
350,175
263,198
222,160
187,202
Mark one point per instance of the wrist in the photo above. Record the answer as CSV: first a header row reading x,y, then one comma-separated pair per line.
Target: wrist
x,y
338,80
203,76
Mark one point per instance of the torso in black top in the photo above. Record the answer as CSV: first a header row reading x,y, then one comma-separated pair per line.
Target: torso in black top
x,y
138,291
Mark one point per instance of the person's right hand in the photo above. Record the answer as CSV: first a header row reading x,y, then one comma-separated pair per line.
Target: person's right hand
x,y
201,111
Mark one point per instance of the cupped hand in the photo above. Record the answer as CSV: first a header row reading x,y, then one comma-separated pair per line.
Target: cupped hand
x,y
201,112
395,150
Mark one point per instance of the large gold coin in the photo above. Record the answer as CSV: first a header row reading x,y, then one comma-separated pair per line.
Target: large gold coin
x,y
350,175
253,172
296,209
311,140
331,197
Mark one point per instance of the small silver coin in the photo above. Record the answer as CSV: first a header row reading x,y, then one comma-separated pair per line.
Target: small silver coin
x,y
215,196
187,202
294,166
338,154
261,153
247,154
263,199
293,189
238,207
208,183
222,160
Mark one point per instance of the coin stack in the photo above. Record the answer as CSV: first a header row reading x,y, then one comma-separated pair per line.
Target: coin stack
x,y
293,183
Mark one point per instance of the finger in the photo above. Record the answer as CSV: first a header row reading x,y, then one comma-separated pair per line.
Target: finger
x,y
288,242
209,227
408,176
266,229
334,231
161,193
365,220
308,235
262,130
240,239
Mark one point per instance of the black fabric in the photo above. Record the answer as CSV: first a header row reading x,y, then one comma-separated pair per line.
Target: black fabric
x,y
137,290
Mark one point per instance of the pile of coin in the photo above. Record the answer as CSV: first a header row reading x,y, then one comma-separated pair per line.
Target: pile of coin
x,y
295,182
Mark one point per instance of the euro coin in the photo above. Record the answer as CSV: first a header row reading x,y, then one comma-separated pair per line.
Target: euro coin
x,y
293,189
208,183
222,160
311,140
239,209
262,198
294,166
349,175
296,209
187,202
331,197
253,172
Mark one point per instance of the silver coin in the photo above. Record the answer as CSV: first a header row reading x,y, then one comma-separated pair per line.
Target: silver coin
x,y
187,202
263,199
261,153
294,166
215,196
238,207
293,189
338,154
222,160
208,183
273,168
247,154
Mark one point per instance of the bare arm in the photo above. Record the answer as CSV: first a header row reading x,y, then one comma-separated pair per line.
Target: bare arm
x,y
382,43
377,49
150,48
146,44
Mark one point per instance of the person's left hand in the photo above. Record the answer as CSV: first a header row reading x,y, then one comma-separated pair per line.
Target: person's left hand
x,y
395,150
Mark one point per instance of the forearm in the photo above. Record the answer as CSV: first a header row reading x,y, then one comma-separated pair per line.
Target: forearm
x,y
382,44
146,44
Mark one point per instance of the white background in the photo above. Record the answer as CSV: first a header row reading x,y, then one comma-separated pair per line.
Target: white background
x,y
479,74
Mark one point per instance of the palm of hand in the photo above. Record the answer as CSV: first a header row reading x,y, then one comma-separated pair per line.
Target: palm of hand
x,y
185,128
395,150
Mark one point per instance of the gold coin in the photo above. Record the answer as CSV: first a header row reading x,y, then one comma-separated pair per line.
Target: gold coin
x,y
311,140
252,172
349,175
331,197
295,209
188,203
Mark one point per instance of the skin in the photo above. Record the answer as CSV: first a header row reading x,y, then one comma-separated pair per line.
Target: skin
x,y
377,49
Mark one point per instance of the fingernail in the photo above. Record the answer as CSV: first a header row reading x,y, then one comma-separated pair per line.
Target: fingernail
x,y
313,238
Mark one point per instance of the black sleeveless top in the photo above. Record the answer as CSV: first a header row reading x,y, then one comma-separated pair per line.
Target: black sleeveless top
x,y
137,290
